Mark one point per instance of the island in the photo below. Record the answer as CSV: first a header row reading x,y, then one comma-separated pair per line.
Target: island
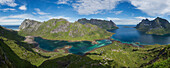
x,y
158,26
61,29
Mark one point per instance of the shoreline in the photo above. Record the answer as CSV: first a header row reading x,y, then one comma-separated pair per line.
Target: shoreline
x,y
77,40
66,48
108,45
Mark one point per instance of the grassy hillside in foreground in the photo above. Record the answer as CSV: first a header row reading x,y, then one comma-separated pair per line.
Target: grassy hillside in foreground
x,y
61,29
116,55
8,59
13,41
22,55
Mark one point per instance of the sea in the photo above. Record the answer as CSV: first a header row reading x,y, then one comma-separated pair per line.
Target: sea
x,y
126,34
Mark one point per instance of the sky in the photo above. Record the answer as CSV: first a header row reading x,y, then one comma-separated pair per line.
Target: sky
x,y
122,12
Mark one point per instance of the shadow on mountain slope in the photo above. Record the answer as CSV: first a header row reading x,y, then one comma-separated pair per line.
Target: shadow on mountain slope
x,y
8,59
72,61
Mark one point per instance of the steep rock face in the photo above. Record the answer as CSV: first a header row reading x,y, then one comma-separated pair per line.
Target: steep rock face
x,y
108,25
157,26
30,25
61,29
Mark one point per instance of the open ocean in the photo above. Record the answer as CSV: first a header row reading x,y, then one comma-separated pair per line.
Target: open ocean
x,y
14,27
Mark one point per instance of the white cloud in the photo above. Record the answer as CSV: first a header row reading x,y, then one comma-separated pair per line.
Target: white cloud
x,y
145,18
22,16
23,7
18,19
108,18
40,12
10,3
120,21
34,13
153,7
63,1
86,7
58,17
116,12
14,19
7,9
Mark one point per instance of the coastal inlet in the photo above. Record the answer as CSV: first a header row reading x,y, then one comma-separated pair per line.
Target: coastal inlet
x,y
79,48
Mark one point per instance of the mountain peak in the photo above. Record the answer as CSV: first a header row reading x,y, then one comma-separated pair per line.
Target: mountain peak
x,y
104,24
157,26
145,19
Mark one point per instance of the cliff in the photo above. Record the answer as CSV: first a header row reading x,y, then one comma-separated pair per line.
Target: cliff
x,y
61,29
108,25
157,26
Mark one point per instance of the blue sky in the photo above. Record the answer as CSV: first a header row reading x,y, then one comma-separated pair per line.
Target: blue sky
x,y
122,12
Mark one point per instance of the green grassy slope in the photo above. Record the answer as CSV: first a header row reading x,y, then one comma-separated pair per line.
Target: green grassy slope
x,y
128,56
22,55
63,30
116,55
11,59
11,40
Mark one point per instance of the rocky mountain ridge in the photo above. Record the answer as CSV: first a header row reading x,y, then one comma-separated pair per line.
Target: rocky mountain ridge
x,y
108,25
157,26
61,29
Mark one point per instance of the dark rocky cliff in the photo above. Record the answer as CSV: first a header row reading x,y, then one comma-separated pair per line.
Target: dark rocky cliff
x,y
108,25
157,26
30,25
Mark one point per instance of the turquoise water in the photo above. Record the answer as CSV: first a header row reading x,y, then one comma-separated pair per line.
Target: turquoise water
x,y
129,34
79,48
125,34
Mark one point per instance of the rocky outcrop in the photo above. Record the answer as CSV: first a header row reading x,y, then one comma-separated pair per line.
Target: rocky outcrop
x,y
157,26
30,25
108,25
30,40
61,29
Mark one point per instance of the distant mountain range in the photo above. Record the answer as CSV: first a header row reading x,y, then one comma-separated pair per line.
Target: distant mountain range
x,y
157,26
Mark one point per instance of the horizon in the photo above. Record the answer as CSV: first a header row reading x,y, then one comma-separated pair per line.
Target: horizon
x,y
88,19
121,12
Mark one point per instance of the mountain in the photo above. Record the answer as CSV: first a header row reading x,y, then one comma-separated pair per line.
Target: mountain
x,y
61,29
11,51
157,26
108,25
14,53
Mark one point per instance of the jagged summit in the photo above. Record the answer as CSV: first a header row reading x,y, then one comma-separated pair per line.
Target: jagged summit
x,y
104,24
157,26
61,29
